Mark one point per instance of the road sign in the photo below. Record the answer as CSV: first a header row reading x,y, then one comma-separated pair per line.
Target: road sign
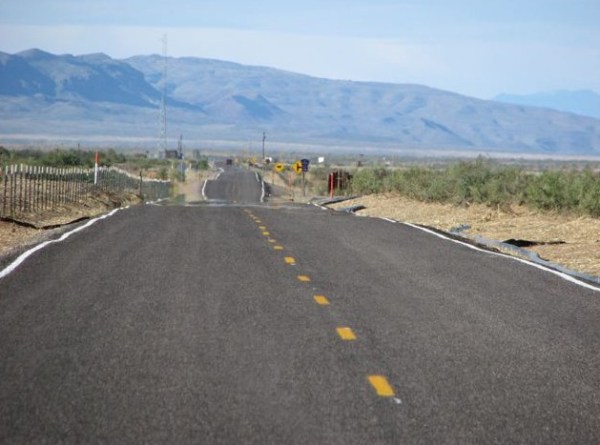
x,y
279,167
297,167
305,163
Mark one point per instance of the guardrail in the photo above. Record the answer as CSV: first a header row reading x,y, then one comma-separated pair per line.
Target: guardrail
x,y
33,189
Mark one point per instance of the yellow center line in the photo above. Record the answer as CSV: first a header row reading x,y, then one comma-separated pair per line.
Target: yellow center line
x,y
303,278
265,233
381,385
258,221
346,333
290,260
320,299
262,227
278,248
271,240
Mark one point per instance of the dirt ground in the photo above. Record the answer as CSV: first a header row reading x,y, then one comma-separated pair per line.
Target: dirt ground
x,y
191,189
580,236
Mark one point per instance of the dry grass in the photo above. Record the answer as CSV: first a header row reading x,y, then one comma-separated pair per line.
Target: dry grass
x,y
13,235
581,235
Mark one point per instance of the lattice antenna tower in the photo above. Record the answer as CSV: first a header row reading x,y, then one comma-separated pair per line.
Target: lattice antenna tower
x,y
162,142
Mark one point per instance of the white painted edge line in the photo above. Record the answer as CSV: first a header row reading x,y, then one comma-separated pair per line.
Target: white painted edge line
x,y
158,201
262,196
221,171
562,275
204,189
257,177
21,258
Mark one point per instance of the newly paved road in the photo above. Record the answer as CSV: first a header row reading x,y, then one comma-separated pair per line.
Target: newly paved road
x,y
166,324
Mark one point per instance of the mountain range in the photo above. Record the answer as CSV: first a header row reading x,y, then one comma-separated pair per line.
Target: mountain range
x,y
96,99
584,102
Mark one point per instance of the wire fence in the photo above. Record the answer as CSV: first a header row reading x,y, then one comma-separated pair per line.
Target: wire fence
x,y
26,189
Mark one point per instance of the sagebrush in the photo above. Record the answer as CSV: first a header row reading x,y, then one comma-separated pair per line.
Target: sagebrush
x,y
482,182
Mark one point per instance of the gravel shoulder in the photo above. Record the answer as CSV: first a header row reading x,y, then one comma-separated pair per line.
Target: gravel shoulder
x,y
571,241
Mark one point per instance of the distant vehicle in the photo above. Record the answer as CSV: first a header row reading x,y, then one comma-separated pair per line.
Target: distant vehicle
x,y
229,162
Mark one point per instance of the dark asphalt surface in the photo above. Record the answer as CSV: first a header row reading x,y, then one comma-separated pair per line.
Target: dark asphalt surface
x,y
172,324
235,186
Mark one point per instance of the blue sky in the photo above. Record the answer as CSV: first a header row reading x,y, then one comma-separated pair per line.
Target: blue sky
x,y
479,48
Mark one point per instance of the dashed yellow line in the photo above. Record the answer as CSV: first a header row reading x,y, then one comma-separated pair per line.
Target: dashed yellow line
x,y
303,278
290,260
322,300
262,227
346,333
381,386
265,233
271,240
277,247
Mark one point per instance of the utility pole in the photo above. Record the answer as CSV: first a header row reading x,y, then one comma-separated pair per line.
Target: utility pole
x,y
180,155
263,146
162,143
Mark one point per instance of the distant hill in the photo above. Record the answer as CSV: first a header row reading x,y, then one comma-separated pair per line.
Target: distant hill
x,y
94,78
583,102
94,97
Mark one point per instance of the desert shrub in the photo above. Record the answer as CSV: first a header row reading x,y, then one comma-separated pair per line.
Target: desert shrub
x,y
5,154
481,182
589,202
416,183
369,180
439,188
68,158
566,191
505,186
583,192
468,180
548,191
163,173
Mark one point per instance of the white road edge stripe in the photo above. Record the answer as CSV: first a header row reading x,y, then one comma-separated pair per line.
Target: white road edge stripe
x,y
16,263
562,275
262,196
204,189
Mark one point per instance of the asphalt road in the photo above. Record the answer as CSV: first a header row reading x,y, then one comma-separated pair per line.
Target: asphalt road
x,y
172,324
235,185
